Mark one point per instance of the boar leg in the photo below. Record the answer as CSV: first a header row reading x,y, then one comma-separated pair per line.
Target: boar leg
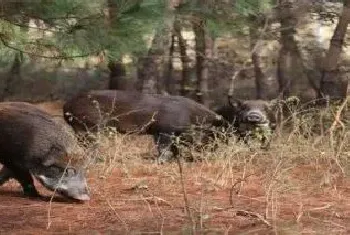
x,y
25,179
5,175
167,149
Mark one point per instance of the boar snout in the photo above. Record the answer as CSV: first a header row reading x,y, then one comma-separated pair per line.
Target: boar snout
x,y
71,184
256,117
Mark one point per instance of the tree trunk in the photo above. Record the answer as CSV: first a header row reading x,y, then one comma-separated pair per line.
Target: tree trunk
x,y
110,13
332,84
201,61
168,78
117,75
260,78
151,69
185,79
17,63
288,49
117,69
291,72
14,76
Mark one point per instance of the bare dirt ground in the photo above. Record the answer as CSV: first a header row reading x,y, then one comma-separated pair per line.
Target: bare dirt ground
x,y
291,189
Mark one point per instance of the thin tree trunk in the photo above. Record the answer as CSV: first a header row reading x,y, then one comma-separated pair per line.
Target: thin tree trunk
x,y
289,46
185,80
201,61
168,78
117,75
291,72
110,13
332,85
260,78
17,63
151,68
117,69
14,76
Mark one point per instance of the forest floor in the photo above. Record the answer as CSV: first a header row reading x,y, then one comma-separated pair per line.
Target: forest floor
x,y
297,187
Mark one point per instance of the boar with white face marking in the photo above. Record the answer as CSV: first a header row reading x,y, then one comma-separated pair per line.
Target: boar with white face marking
x,y
250,117
33,143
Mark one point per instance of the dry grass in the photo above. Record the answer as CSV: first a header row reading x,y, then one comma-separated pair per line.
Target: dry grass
x,y
299,186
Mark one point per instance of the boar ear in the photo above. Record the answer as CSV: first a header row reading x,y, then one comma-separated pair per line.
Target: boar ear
x,y
235,103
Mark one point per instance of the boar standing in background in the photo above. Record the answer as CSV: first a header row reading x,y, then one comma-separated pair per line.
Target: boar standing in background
x,y
162,116
250,118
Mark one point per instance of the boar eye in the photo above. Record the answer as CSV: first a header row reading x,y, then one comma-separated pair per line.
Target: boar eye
x,y
244,107
55,168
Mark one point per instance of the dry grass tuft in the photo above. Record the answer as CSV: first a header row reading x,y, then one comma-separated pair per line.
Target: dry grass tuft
x,y
278,188
300,185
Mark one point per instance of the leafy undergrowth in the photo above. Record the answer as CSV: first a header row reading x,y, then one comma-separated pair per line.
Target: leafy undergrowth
x,y
299,186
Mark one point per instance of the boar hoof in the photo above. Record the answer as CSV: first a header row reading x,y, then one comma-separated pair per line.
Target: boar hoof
x,y
5,175
30,191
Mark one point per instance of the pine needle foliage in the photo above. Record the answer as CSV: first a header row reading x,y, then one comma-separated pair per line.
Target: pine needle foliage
x,y
70,29
225,17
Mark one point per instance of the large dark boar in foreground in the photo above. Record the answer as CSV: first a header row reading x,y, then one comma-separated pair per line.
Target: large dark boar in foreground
x,y
32,143
250,118
161,116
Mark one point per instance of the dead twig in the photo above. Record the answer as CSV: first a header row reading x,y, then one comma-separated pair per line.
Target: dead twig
x,y
187,204
300,215
238,181
249,214
338,122
126,226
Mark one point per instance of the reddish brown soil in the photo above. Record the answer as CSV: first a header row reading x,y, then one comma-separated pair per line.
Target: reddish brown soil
x,y
117,208
157,205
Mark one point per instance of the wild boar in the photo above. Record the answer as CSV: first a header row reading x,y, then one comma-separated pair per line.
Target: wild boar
x,y
249,118
162,116
32,143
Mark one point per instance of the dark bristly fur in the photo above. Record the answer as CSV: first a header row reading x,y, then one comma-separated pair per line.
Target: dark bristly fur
x,y
158,115
32,143
244,116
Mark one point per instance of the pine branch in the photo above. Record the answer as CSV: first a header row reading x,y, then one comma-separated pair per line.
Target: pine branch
x,y
26,25
6,44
